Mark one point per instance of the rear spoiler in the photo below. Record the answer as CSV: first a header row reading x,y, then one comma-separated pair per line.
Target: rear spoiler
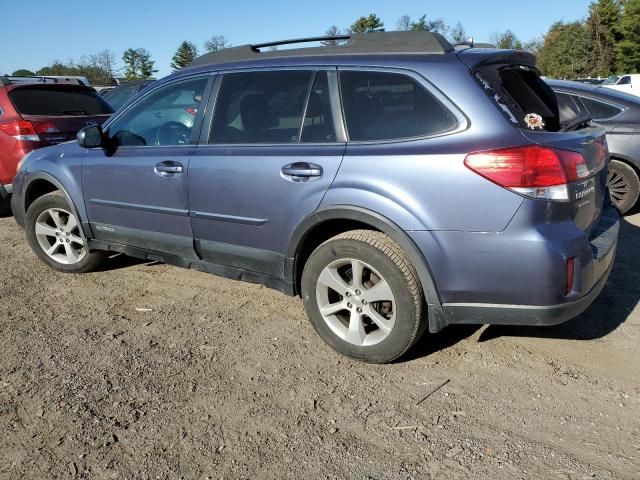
x,y
480,57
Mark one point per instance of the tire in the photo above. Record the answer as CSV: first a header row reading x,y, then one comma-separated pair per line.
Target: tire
x,y
62,237
624,186
380,329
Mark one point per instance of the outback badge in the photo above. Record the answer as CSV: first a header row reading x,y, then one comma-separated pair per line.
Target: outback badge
x,y
534,121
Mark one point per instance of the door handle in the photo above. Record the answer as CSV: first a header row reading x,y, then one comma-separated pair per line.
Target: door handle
x,y
302,169
168,168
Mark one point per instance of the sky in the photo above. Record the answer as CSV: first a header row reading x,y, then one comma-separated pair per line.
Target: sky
x,y
68,29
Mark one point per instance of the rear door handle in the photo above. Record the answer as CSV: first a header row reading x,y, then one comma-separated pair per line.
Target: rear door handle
x,y
168,168
302,169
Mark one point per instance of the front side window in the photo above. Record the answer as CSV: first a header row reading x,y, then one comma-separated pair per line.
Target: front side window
x,y
600,110
626,80
388,106
260,107
120,96
164,117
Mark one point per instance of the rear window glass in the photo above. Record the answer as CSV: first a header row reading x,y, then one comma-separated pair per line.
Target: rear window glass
x,y
390,106
522,95
531,95
52,102
600,110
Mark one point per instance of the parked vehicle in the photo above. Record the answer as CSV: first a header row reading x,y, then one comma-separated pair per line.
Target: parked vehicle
x,y
121,94
590,80
35,115
392,182
619,114
624,83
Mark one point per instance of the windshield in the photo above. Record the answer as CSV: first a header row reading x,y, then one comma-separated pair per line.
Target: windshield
x,y
611,80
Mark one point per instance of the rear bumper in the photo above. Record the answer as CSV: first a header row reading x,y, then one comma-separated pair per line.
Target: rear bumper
x,y
603,250
478,313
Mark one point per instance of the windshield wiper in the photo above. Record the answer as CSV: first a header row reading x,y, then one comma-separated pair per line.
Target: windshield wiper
x,y
578,122
73,112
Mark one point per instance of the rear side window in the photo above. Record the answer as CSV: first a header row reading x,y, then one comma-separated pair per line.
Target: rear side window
x,y
261,107
600,110
390,106
52,101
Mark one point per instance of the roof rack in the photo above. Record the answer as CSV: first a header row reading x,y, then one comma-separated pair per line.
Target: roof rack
x,y
12,80
357,43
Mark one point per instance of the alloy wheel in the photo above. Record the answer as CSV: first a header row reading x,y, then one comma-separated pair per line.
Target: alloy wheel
x,y
58,235
618,187
356,302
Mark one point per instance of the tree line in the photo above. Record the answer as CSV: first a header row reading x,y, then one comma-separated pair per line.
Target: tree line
x,y
606,41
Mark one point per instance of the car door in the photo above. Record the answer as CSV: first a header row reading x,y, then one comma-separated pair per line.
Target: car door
x,y
273,148
136,189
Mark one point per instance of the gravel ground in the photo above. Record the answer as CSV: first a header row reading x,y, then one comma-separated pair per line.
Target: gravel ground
x,y
148,371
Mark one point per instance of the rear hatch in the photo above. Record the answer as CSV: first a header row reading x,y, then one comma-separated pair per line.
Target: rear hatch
x,y
515,86
58,112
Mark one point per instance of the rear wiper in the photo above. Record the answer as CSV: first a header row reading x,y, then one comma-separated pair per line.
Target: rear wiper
x,y
577,123
73,112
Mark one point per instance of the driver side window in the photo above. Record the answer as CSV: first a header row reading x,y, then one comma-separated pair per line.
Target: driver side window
x,y
164,117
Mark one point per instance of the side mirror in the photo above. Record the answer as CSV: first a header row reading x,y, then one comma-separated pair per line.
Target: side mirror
x,y
91,136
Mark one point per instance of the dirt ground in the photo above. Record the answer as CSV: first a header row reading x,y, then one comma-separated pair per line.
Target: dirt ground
x,y
150,371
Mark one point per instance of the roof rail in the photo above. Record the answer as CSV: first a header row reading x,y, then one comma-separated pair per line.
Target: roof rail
x,y
357,43
330,38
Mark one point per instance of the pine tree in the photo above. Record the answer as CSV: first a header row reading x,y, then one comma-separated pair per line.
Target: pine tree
x,y
131,62
146,64
628,49
371,23
185,54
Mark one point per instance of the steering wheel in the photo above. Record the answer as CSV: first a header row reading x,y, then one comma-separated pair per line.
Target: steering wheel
x,y
173,133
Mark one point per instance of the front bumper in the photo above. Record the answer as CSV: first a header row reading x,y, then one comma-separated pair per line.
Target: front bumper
x,y
603,248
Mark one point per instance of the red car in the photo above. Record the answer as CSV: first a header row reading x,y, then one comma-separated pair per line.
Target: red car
x,y
39,112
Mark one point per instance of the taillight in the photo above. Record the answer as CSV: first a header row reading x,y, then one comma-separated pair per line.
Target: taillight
x,y
191,110
45,127
534,171
20,130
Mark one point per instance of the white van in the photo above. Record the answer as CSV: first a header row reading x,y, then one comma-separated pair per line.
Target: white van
x,y
624,83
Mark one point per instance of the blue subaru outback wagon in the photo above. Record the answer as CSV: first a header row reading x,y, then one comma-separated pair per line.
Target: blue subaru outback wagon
x,y
393,182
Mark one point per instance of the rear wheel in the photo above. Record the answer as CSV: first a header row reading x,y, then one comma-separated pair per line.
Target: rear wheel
x,y
363,296
55,235
624,185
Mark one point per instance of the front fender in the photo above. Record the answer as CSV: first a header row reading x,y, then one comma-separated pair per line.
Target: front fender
x,y
61,166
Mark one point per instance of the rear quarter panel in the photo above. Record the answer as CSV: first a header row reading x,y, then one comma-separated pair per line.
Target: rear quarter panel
x,y
423,184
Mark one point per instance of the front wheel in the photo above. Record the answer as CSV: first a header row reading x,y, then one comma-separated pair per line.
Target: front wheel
x,y
55,236
363,296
